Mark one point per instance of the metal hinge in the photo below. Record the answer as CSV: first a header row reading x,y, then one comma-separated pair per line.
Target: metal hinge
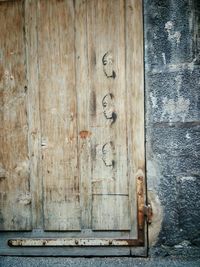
x,y
148,212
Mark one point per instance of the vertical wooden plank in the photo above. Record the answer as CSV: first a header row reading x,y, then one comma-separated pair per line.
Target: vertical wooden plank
x,y
135,100
15,197
34,112
106,53
116,219
58,108
85,107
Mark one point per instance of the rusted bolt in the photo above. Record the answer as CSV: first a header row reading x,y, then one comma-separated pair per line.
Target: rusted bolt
x,y
76,242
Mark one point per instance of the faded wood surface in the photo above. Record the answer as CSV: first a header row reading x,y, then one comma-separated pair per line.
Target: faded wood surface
x,y
135,101
15,196
106,53
83,112
76,111
58,111
33,100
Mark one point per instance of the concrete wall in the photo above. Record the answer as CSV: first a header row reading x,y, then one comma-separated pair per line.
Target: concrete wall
x,y
172,81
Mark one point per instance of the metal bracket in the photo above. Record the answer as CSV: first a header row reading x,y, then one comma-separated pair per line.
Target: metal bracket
x,y
144,210
71,242
148,212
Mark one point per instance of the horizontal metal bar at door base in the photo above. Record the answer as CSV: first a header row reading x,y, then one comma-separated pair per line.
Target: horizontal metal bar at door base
x,y
71,242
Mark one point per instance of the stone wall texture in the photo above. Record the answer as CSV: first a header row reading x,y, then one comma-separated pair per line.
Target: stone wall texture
x,y
172,102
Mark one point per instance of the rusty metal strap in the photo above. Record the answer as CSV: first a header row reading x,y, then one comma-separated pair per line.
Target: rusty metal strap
x,y
71,242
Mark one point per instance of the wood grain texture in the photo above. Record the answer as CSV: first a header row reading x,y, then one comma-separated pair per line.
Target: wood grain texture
x,y
135,101
15,196
110,212
58,107
72,120
83,112
106,53
34,113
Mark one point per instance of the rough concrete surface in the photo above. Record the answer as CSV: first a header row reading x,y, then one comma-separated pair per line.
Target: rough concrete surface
x,y
172,102
96,262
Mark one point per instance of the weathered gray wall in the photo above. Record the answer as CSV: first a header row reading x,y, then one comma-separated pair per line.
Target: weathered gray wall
x,y
172,81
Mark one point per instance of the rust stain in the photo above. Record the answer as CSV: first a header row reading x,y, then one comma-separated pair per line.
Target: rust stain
x,y
71,242
85,134
140,208
140,193
148,213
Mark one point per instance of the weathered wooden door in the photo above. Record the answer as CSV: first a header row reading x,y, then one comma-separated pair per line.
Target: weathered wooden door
x,y
72,128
